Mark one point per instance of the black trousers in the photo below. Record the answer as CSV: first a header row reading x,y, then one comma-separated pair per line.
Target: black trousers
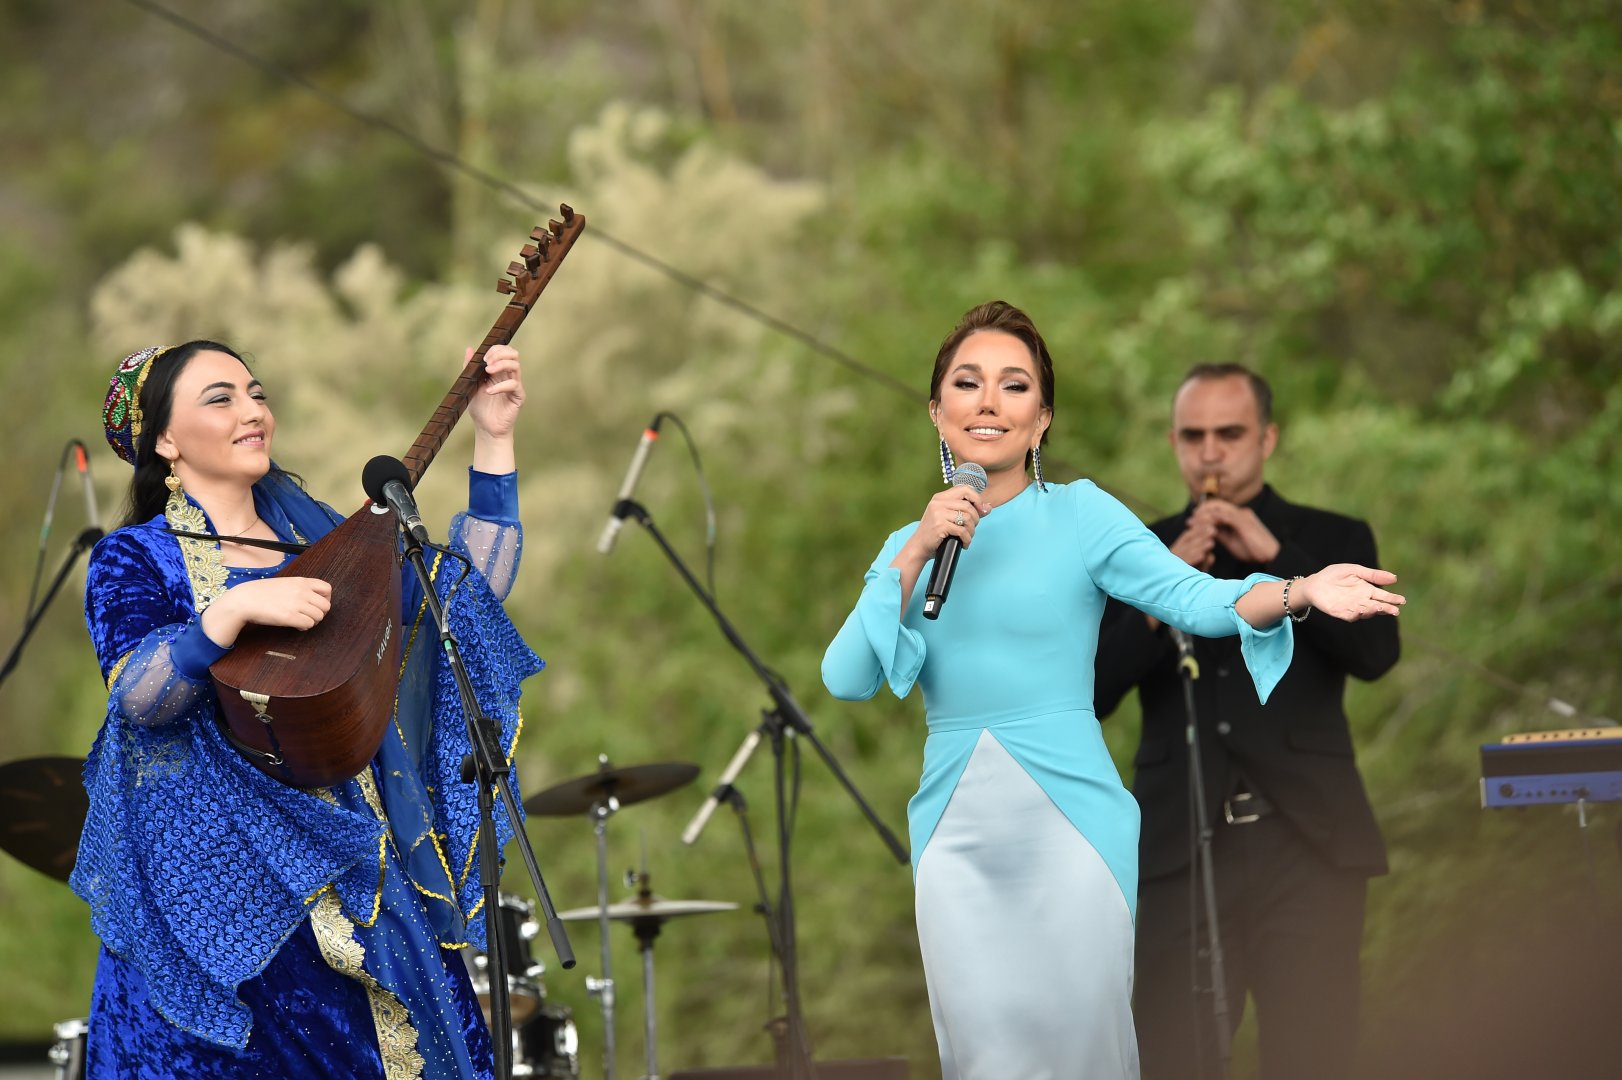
x,y
1291,928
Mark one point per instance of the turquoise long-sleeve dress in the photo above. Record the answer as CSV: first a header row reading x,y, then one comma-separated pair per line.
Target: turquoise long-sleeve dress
x,y
1024,840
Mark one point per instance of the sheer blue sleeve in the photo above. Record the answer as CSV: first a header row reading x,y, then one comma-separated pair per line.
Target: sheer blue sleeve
x,y
874,647
489,531
152,651
1130,563
164,675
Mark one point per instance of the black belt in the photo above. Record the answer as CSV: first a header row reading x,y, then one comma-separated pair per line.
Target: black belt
x,y
1245,807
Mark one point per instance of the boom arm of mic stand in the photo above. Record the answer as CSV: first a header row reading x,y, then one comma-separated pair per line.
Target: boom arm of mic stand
x,y
787,708
81,544
785,717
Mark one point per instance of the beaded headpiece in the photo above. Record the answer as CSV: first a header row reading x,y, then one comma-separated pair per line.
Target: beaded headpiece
x,y
121,413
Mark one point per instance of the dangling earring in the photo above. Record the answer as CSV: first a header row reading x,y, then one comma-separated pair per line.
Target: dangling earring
x,y
1036,468
176,503
948,466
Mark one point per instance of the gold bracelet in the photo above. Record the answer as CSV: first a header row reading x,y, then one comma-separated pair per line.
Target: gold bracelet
x,y
1293,617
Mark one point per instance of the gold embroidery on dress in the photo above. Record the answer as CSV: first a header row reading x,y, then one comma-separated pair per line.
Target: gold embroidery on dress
x,y
428,834
204,566
473,848
405,653
369,792
118,668
158,761
343,952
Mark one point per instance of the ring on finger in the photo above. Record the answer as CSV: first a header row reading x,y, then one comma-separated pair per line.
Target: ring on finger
x,y
960,519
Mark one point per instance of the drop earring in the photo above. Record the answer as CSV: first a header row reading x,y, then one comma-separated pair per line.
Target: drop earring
x,y
176,504
948,466
1036,468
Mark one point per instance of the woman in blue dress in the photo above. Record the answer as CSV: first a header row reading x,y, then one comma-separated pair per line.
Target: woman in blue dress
x,y
250,929
1024,840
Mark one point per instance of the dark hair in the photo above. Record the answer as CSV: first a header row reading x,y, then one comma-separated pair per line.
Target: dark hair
x,y
1005,318
1258,385
147,491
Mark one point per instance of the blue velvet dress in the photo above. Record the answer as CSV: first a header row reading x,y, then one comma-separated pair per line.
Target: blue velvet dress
x,y
1024,841
254,930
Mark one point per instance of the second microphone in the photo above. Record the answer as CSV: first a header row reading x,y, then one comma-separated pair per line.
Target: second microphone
x,y
967,475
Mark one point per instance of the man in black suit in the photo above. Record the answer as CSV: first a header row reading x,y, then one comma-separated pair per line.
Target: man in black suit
x,y
1295,839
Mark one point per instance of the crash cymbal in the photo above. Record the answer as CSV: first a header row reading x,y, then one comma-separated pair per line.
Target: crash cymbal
x,y
42,810
649,907
627,784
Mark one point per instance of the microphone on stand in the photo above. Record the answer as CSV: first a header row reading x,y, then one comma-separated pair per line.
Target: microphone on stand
x,y
93,530
728,775
387,483
639,461
967,475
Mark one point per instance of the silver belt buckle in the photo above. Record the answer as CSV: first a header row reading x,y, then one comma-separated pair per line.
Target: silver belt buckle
x,y
1238,819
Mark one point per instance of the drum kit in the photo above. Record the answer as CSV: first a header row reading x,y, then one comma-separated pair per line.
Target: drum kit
x,y
42,811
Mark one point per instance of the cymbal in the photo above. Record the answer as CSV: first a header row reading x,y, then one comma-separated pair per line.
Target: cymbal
x,y
42,810
649,907
626,784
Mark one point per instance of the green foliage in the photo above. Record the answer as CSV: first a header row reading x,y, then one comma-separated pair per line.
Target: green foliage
x,y
1403,216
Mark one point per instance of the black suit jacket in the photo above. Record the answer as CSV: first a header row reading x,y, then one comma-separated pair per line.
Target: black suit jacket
x,y
1297,749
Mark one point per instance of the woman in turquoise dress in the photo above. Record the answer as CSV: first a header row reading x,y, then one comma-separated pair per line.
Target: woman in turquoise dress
x,y
1024,841
250,929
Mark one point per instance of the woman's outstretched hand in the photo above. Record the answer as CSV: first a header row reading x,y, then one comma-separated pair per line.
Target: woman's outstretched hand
x,y
1347,591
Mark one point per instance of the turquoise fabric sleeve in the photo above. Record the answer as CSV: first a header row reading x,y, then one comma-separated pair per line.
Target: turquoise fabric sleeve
x,y
873,646
1129,562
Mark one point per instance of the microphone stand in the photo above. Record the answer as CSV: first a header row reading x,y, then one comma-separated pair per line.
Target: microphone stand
x,y
81,544
487,766
729,794
1189,670
783,722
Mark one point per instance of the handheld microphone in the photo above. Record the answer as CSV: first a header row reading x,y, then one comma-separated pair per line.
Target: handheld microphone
x,y
387,483
639,461
92,519
728,775
967,475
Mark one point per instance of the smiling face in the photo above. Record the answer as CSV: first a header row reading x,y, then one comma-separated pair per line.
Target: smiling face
x,y
989,405
220,426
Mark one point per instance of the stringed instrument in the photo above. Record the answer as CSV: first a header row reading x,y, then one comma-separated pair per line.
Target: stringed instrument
x,y
310,707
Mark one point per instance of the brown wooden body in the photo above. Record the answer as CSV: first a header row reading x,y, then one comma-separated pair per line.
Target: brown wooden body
x,y
322,698
310,708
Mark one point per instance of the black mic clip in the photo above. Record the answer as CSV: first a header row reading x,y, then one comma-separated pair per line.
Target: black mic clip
x,y
629,508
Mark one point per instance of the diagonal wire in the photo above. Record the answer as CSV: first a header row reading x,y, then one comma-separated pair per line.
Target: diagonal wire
x,y
517,194
525,199
496,183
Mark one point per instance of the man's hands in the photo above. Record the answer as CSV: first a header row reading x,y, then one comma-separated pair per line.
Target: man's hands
x,y
1236,528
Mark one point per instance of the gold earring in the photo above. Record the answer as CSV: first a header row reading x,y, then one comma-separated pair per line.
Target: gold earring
x,y
172,481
